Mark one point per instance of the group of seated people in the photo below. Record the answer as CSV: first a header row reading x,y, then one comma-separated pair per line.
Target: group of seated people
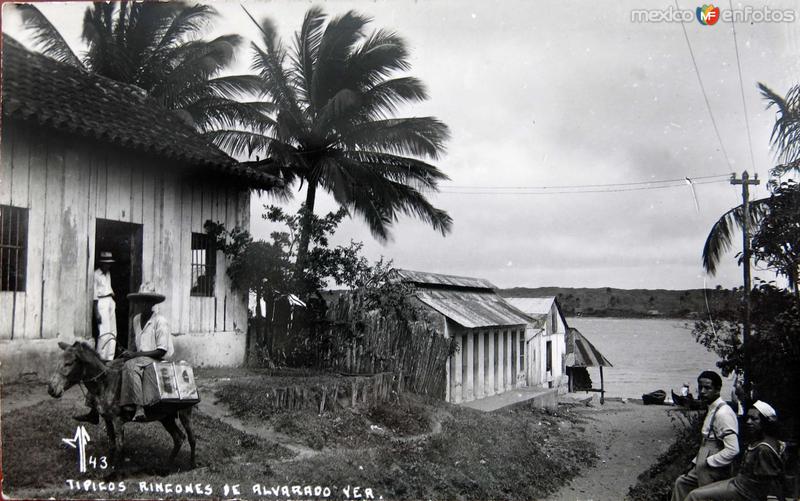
x,y
710,476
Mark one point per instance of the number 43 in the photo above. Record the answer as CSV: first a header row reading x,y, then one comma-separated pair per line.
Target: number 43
x,y
98,462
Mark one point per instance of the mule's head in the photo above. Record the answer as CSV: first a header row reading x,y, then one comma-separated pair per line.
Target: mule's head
x,y
70,367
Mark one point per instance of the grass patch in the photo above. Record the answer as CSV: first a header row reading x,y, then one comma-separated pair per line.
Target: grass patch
x,y
520,453
655,483
35,456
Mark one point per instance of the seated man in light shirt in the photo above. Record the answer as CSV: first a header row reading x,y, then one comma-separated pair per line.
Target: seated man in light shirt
x,y
720,441
153,343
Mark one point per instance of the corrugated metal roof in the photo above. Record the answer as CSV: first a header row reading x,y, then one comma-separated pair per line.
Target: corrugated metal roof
x,y
533,305
473,309
436,279
584,353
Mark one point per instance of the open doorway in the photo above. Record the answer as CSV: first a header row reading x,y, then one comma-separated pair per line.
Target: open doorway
x,y
124,241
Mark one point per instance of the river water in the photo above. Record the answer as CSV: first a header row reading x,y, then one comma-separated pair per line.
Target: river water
x,y
648,355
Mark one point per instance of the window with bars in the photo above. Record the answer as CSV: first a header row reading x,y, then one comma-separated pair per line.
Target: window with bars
x,y
204,265
13,247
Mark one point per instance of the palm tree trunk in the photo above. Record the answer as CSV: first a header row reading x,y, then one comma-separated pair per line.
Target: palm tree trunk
x,y
305,229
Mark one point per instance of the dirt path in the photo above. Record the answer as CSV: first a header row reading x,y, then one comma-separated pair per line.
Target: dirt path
x,y
629,437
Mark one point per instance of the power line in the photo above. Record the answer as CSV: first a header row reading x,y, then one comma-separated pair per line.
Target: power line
x,y
573,192
741,87
703,89
566,186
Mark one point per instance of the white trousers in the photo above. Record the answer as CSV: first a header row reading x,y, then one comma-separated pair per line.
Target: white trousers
x,y
107,339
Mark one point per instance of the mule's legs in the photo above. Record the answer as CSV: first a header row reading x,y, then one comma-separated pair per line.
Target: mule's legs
x,y
116,433
185,415
176,434
112,438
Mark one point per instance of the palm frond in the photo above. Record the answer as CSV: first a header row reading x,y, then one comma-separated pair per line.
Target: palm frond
x,y
196,62
381,201
213,113
378,103
46,37
408,171
376,196
419,136
230,87
785,137
239,143
380,55
278,86
720,237
187,23
338,42
306,49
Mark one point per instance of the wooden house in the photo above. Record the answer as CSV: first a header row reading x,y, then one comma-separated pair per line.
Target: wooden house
x,y
492,336
90,165
548,369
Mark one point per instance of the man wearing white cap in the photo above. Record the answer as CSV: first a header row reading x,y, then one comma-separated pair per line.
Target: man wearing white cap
x,y
762,466
105,308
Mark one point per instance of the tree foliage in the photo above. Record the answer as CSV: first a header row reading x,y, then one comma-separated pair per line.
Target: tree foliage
x,y
784,140
335,91
770,357
158,47
268,268
776,242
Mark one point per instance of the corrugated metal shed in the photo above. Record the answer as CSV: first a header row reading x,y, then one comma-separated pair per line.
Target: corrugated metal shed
x,y
435,279
534,306
584,354
473,309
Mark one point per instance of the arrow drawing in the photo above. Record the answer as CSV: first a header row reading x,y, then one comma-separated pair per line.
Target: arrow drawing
x,y
79,442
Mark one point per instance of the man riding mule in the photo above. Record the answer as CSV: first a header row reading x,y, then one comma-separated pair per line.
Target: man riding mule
x,y
116,388
153,342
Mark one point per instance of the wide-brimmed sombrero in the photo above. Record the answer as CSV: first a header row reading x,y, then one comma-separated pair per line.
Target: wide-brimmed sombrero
x,y
106,257
147,293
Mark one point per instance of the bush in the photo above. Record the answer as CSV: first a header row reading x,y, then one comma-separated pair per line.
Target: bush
x,y
655,484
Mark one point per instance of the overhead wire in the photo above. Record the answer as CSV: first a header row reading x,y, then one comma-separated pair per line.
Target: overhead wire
x,y
565,186
741,87
703,90
477,191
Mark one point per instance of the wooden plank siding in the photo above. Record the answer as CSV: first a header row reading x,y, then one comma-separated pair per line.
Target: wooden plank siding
x,y
67,183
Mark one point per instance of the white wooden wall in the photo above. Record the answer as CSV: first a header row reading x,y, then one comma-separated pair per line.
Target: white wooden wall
x,y
554,332
496,370
67,183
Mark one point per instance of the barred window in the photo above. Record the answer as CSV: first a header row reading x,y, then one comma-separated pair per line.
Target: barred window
x,y
13,247
204,265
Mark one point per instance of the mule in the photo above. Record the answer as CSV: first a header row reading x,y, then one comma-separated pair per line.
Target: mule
x,y
80,364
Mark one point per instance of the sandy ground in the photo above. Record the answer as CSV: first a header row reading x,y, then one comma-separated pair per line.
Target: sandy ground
x,y
629,438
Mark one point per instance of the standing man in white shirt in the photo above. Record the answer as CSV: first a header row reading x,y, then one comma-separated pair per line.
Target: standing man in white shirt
x,y
720,440
105,308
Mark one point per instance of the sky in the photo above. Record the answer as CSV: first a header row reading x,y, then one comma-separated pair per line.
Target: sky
x,y
564,93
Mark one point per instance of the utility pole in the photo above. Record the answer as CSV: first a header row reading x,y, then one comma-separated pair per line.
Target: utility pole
x,y
746,182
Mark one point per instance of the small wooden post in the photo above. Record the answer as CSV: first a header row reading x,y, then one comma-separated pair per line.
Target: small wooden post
x,y
602,388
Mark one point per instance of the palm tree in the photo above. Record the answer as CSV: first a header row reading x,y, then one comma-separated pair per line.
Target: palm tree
x,y
785,140
336,91
156,46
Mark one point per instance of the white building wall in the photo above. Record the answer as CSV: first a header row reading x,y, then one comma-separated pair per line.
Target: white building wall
x,y
67,184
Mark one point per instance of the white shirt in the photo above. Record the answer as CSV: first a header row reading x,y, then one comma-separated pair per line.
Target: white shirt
x,y
154,335
102,284
725,428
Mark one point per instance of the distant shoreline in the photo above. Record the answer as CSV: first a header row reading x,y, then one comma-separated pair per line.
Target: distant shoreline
x,y
633,303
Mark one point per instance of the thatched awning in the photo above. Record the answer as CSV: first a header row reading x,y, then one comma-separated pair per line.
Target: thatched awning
x,y
582,353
